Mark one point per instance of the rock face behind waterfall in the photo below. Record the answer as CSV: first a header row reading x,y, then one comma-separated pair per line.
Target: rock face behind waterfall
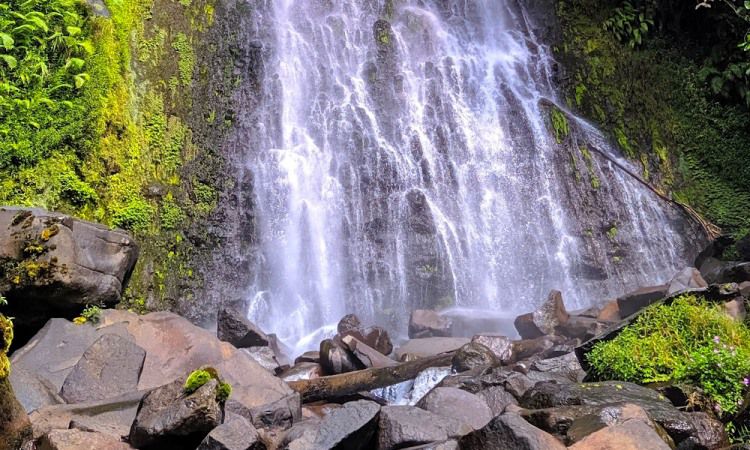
x,y
434,165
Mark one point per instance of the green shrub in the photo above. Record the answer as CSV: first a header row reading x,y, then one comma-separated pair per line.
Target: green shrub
x,y
630,25
224,391
688,342
135,215
198,378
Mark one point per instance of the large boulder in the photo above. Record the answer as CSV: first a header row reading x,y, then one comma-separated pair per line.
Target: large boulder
x,y
400,426
631,435
110,367
681,426
335,358
460,405
374,336
169,419
44,253
544,320
501,346
640,298
686,280
233,327
509,431
351,427
473,355
80,440
235,434
366,355
428,323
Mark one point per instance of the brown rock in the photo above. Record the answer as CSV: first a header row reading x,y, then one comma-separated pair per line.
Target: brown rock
x,y
368,356
80,440
632,435
736,309
336,359
543,321
640,298
610,312
509,431
501,346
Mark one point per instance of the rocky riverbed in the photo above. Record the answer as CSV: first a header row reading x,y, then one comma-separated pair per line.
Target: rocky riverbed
x,y
118,380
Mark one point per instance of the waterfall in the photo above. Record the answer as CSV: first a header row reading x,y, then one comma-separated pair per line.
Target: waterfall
x,y
403,156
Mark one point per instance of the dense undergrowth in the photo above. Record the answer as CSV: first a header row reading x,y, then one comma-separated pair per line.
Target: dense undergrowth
x,y
84,129
657,102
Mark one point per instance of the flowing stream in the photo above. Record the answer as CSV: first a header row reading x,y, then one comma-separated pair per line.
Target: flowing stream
x,y
405,157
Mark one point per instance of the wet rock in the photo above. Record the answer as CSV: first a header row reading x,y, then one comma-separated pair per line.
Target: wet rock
x,y
374,337
366,355
473,355
680,426
81,262
349,322
110,367
497,398
463,406
335,359
609,416
303,371
578,327
720,273
352,426
633,434
424,347
308,357
509,431
567,364
639,299
113,416
168,419
264,356
428,323
543,321
80,440
540,346
280,414
687,279
610,312
501,346
407,425
235,434
736,309
235,328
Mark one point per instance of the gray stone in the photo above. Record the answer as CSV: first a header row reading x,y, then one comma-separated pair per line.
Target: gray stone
x,y
509,431
640,298
366,355
583,328
550,315
351,427
110,367
308,357
81,262
633,434
497,398
407,425
446,445
425,323
264,356
463,406
235,434
501,346
168,419
540,346
473,355
566,364
280,414
235,328
32,391
303,371
422,348
687,279
80,440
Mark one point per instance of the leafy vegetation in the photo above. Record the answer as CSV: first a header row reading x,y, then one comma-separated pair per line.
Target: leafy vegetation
x,y
198,378
630,25
690,342
90,314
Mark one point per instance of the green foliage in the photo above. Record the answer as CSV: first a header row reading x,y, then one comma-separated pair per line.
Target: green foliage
x,y
195,380
630,25
6,333
186,56
689,342
3,301
199,377
91,313
559,124
136,214
45,47
171,214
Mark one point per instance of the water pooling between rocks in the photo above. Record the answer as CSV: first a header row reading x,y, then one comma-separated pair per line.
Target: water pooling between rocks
x,y
410,154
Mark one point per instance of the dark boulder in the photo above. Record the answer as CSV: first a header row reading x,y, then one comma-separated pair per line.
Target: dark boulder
x,y
235,434
428,323
366,355
400,426
349,322
44,253
542,346
374,336
336,359
639,299
497,398
235,328
633,434
110,367
501,346
544,320
686,280
351,427
579,327
169,419
463,406
473,355
509,431
308,357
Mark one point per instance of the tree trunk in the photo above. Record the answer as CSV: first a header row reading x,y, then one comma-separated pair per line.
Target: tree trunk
x,y
349,383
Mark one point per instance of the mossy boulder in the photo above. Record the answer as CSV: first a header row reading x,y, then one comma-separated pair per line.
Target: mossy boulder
x,y
15,428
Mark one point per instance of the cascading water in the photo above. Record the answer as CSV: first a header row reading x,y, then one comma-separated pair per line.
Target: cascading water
x,y
404,157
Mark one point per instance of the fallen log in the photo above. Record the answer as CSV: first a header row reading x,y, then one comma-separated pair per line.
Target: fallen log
x,y
349,383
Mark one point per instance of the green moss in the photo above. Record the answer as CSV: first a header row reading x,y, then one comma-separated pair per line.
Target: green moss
x,y
6,333
612,233
560,124
223,392
186,58
689,341
199,377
